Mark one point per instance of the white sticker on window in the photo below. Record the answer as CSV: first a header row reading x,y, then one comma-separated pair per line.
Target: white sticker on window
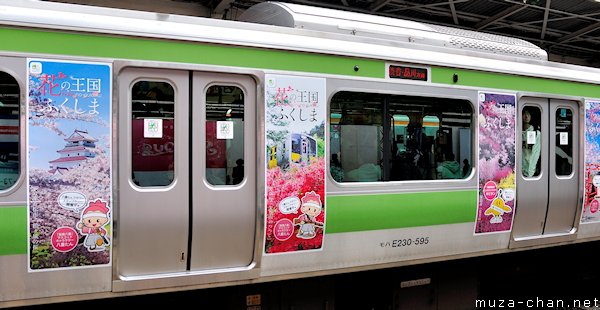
x,y
153,128
564,138
224,130
531,137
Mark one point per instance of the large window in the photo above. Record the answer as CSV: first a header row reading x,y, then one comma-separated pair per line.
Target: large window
x,y
224,135
153,134
9,131
379,137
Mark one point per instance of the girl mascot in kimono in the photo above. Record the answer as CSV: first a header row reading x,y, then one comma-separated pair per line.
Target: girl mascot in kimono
x,y
93,218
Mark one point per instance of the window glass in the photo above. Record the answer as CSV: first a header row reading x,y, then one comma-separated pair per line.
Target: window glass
x,y
153,135
379,137
564,141
225,135
9,130
531,141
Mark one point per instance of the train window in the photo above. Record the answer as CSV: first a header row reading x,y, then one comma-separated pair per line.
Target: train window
x,y
564,145
224,135
380,137
531,141
153,141
9,130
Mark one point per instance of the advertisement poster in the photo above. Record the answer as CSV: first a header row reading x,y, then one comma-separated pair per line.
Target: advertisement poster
x,y
295,189
69,171
591,198
497,184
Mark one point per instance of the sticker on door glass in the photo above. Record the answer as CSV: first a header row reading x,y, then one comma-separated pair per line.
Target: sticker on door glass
x,y
564,138
153,128
531,137
225,130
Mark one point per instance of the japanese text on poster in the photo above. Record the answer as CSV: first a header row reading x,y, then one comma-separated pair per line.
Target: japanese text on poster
x,y
69,171
591,198
295,189
496,199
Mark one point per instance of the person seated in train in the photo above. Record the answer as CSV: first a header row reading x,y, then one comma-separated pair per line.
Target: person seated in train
x,y
238,172
406,165
368,172
449,168
336,168
466,168
531,145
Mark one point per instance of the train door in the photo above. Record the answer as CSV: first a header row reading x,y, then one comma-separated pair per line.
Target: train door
x,y
223,143
186,165
547,170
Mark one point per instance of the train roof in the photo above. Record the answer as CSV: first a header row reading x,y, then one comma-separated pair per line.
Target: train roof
x,y
308,29
389,29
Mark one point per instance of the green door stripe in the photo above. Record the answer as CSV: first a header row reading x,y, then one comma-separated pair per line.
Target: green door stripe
x,y
513,83
386,211
93,45
13,230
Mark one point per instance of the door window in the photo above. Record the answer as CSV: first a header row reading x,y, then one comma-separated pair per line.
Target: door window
x,y
564,147
224,135
531,141
153,134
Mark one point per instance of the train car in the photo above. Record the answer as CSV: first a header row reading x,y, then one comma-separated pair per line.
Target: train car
x,y
143,158
295,149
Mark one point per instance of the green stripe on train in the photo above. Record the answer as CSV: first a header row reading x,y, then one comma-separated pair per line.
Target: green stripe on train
x,y
513,82
13,230
344,214
95,45
387,211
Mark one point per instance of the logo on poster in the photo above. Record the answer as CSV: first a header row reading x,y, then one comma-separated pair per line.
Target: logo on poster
x,y
489,190
283,229
35,67
64,239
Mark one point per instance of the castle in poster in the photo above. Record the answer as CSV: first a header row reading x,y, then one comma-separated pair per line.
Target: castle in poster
x,y
79,147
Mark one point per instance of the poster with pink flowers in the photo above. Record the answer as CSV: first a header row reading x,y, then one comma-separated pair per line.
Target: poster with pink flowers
x,y
69,164
591,198
496,197
295,113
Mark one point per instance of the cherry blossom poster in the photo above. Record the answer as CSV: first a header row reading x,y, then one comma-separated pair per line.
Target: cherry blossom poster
x,y
69,164
591,202
496,198
295,164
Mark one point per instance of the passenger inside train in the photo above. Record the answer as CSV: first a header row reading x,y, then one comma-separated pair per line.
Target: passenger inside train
x,y
531,142
381,137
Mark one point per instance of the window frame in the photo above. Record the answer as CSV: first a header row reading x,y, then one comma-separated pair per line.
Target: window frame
x,y
404,88
131,119
22,127
244,146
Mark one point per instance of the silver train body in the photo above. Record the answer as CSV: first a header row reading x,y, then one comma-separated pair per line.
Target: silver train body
x,y
183,221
